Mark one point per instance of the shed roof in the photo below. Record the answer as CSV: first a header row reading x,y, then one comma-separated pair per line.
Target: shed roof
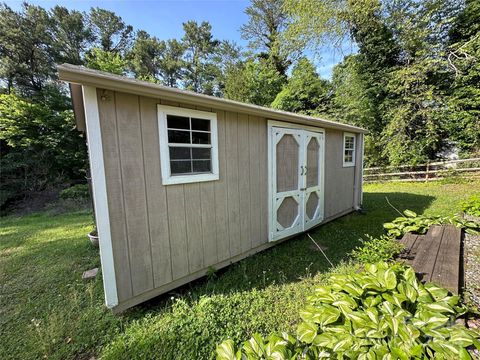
x,y
75,74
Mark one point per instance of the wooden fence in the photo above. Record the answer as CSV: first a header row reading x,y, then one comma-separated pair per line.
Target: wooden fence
x,y
424,172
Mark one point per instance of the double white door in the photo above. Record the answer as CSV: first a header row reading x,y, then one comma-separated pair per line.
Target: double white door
x,y
296,180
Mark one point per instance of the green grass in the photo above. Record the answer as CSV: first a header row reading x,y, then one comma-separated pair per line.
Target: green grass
x,y
46,310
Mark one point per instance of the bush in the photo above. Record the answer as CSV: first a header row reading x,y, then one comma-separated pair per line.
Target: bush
x,y
382,312
76,192
374,250
40,146
472,205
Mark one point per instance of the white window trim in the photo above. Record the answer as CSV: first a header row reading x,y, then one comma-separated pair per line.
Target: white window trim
x,y
349,163
167,177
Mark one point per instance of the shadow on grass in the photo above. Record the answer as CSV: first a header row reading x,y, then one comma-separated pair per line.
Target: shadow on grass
x,y
298,258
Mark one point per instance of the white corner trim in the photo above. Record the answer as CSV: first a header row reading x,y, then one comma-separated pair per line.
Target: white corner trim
x,y
99,185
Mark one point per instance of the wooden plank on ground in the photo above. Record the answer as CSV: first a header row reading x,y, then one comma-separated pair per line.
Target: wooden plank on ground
x,y
427,252
408,241
447,266
416,244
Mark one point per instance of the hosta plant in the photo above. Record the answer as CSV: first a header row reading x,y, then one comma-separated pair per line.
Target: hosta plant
x,y
472,205
420,224
384,312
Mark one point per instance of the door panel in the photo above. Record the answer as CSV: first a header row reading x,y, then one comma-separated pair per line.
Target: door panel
x,y
296,180
287,205
313,195
287,158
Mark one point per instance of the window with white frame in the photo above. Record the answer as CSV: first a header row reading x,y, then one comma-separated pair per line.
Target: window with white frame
x,y
348,149
188,145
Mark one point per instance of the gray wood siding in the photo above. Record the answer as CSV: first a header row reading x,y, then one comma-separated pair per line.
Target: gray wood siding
x,y
162,234
339,180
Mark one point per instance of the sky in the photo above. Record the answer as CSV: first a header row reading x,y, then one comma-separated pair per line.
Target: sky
x,y
164,18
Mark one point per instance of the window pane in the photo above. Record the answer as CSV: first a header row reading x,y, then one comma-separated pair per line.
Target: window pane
x,y
179,153
180,166
200,124
349,142
178,122
201,153
348,156
178,136
201,166
200,138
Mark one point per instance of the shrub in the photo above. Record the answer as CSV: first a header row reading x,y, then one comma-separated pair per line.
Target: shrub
x,y
472,205
40,146
374,250
75,192
382,312
420,224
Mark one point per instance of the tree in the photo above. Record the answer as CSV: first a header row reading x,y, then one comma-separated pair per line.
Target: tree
x,y
464,61
111,62
26,56
351,104
171,63
199,50
110,31
144,56
40,145
416,107
227,59
256,82
304,92
266,24
71,35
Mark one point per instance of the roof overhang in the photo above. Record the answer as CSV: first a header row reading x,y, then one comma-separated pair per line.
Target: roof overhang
x,y
76,93
80,75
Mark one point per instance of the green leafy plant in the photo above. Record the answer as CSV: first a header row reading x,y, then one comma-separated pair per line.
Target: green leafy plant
x,y
373,249
472,205
420,224
75,192
382,312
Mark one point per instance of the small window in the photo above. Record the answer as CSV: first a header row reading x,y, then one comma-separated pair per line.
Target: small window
x,y
188,145
348,149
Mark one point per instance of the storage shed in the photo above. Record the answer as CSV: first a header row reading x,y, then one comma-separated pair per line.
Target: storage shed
x,y
184,182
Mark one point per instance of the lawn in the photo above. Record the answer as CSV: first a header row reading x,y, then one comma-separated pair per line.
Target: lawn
x,y
48,311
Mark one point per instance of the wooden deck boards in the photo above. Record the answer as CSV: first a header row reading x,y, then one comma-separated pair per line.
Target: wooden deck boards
x,y
436,255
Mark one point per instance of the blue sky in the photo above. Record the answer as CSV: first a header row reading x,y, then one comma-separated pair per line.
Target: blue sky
x,y
164,19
